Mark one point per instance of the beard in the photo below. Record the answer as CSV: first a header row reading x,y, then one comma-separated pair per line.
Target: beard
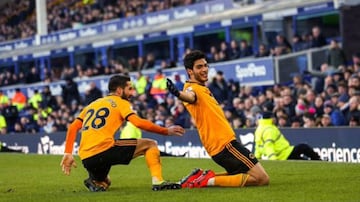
x,y
200,78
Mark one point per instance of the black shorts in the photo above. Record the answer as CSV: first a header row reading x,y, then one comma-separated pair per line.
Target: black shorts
x,y
122,152
235,158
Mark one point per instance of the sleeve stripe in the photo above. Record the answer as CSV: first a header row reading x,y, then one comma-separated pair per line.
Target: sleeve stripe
x,y
126,118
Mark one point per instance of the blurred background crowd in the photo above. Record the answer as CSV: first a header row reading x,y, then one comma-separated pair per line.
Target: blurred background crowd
x,y
328,96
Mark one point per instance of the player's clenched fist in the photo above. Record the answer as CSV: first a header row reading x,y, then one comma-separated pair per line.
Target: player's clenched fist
x,y
172,88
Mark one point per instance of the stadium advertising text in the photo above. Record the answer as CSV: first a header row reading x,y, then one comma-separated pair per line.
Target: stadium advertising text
x,y
339,154
337,147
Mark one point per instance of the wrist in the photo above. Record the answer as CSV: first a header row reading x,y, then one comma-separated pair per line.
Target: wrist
x,y
168,133
177,93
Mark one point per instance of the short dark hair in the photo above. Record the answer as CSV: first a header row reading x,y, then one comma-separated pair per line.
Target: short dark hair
x,y
192,57
117,81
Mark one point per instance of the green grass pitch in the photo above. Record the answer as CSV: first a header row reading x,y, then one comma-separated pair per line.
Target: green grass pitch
x,y
39,178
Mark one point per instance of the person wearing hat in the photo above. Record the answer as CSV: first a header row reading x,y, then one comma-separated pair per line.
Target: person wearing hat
x,y
337,118
325,121
271,144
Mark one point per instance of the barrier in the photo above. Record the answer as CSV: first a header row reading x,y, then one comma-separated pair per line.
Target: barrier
x,y
335,144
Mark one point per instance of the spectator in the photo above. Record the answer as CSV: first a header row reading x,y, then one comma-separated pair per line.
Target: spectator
x,y
48,100
262,52
35,99
224,51
245,49
233,91
325,121
33,76
158,87
150,61
356,62
309,121
234,52
278,51
50,125
218,87
92,93
297,43
283,121
3,125
18,128
70,92
335,56
29,125
11,114
319,80
337,117
354,122
307,40
169,121
140,83
352,109
178,83
319,106
354,81
318,40
281,41
289,105
19,99
4,100
182,117
211,54
296,122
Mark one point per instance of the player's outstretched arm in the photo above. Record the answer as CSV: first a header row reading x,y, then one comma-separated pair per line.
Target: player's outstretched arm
x,y
68,160
184,96
151,127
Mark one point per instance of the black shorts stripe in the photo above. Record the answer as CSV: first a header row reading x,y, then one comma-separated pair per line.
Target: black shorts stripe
x,y
240,156
125,142
235,158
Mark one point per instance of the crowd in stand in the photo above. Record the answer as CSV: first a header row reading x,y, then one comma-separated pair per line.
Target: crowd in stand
x,y
327,97
18,18
332,98
222,52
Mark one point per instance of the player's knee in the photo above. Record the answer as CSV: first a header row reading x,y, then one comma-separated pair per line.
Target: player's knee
x,y
264,179
149,143
152,143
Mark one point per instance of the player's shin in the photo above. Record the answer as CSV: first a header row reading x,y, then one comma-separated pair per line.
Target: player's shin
x,y
152,157
238,180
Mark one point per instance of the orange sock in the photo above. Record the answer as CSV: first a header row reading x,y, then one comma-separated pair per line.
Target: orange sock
x,y
152,157
238,180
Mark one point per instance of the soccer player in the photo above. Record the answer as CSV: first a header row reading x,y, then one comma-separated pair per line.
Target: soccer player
x,y
216,134
271,144
99,151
